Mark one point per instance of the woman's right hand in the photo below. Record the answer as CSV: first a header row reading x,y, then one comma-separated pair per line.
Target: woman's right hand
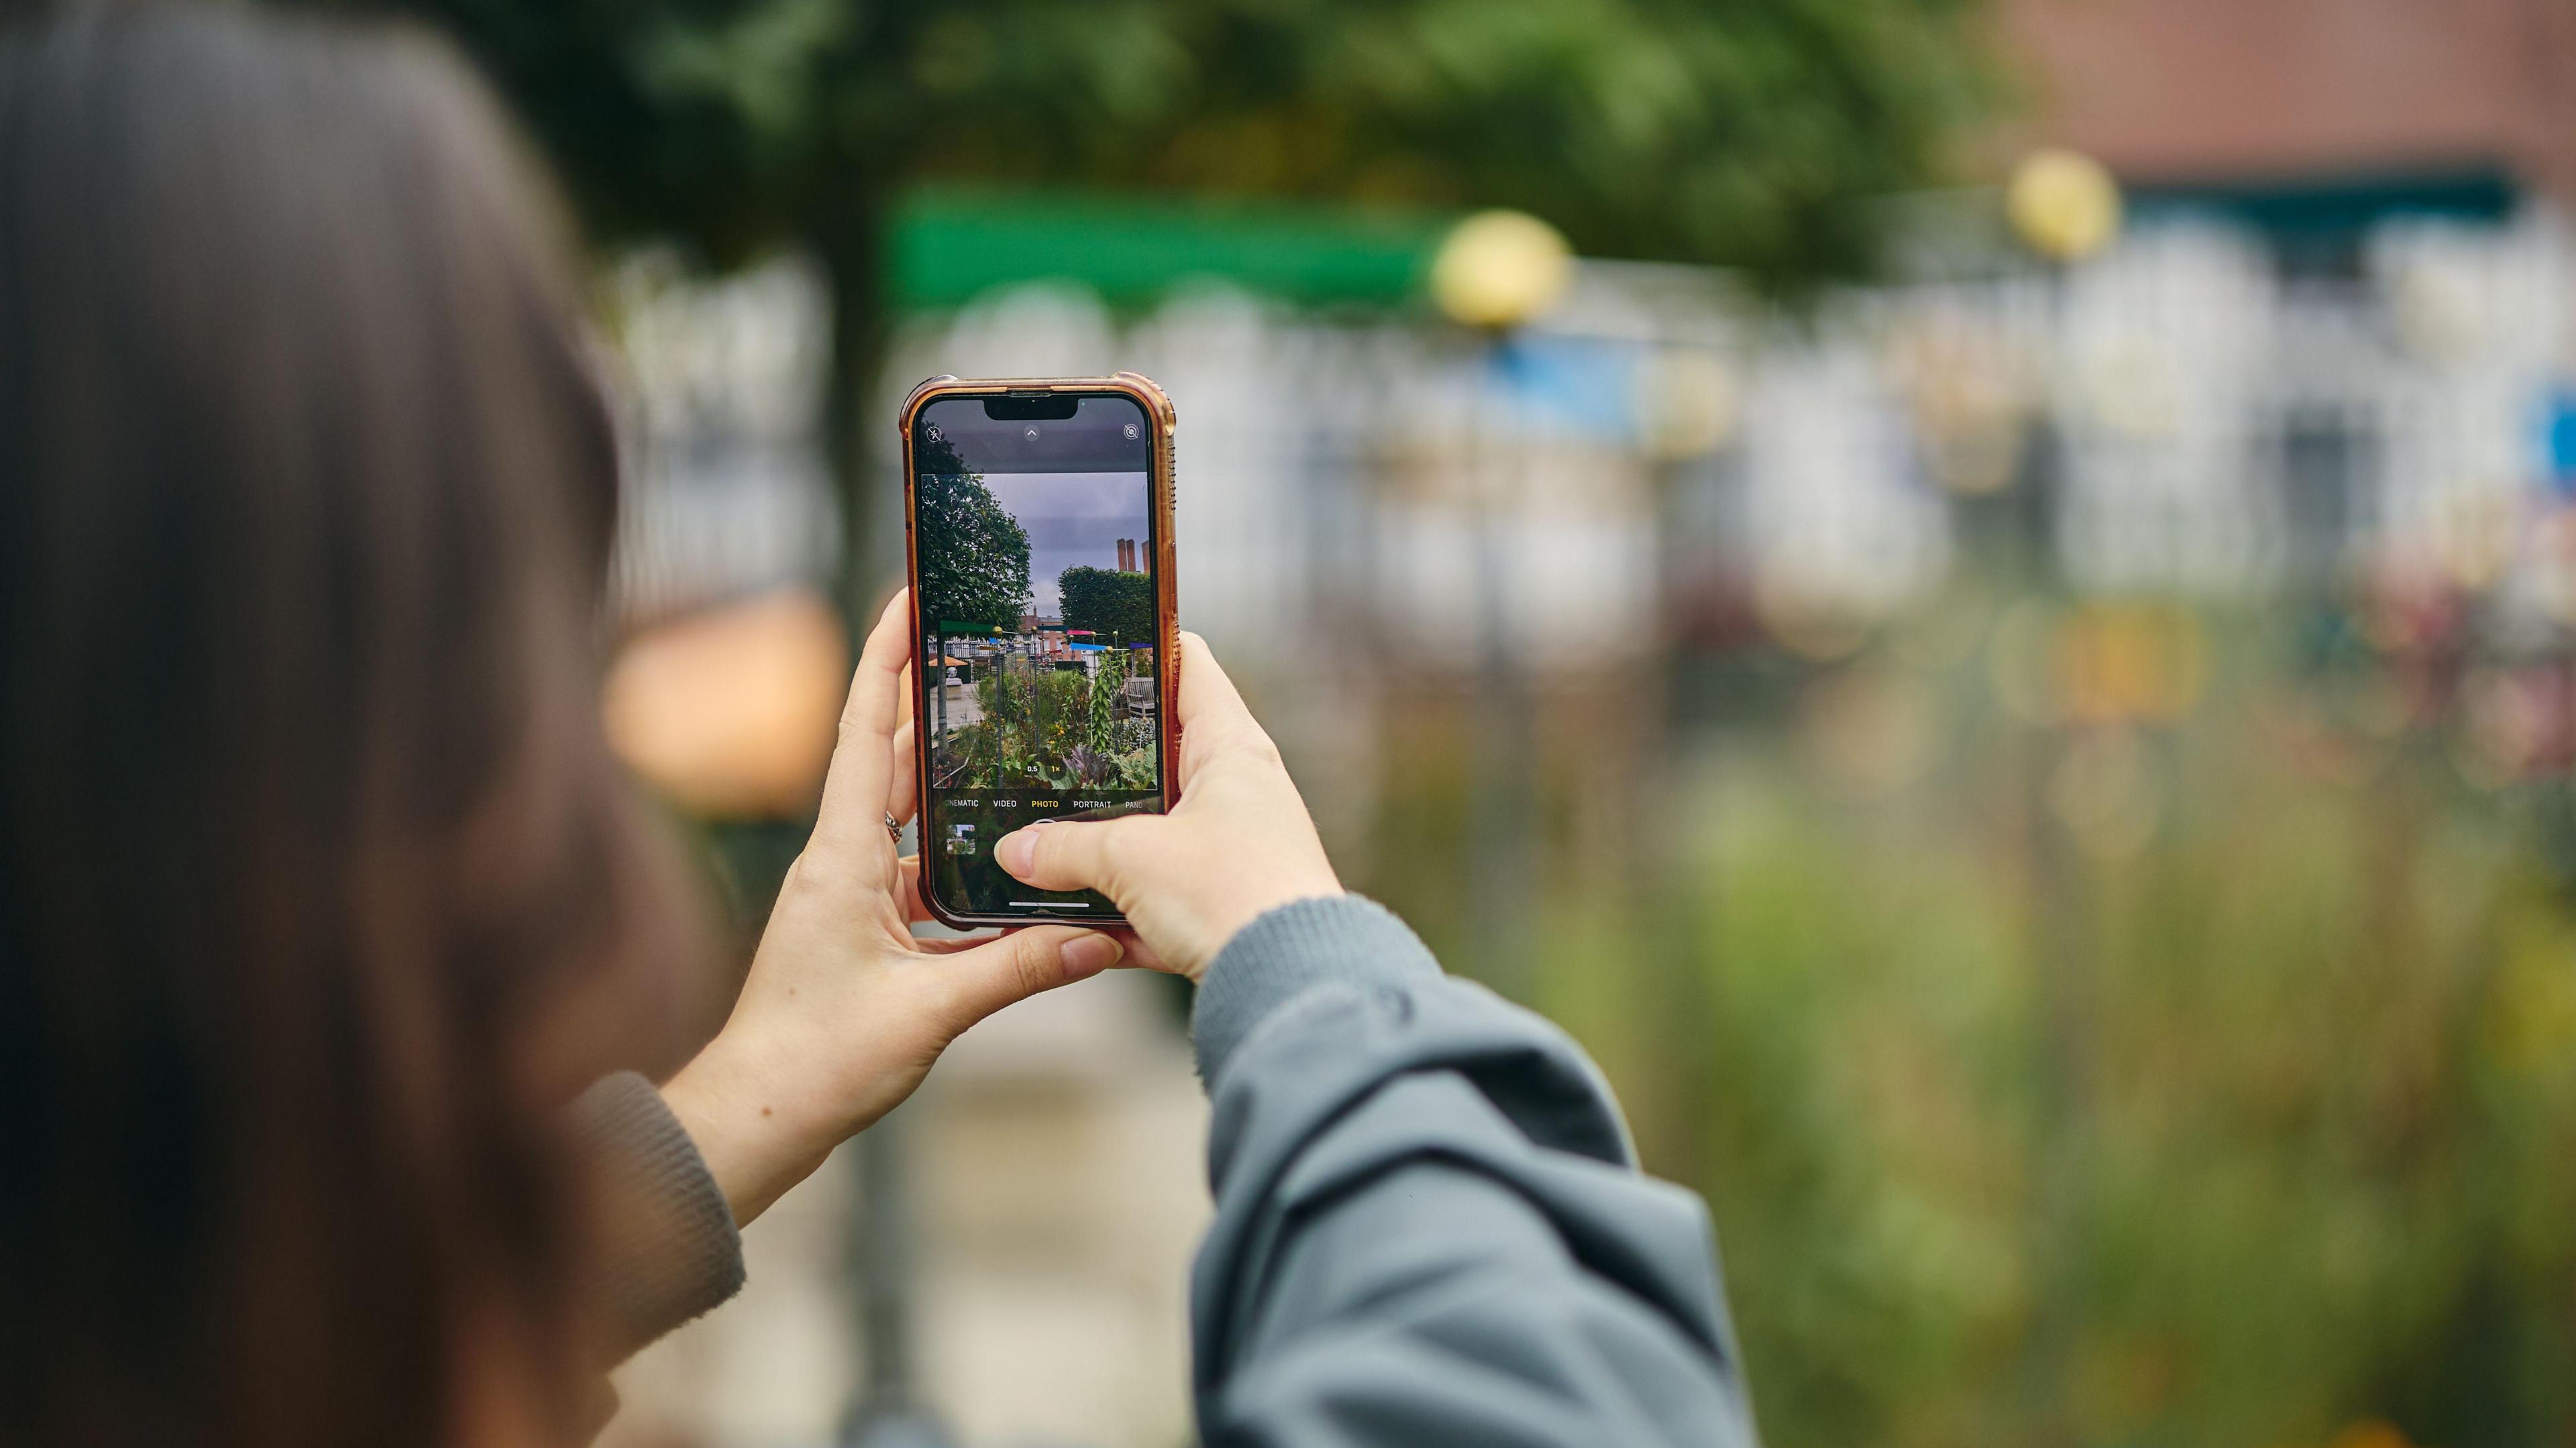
x,y
1239,842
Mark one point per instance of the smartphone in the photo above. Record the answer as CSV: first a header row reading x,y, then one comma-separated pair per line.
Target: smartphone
x,y
1038,525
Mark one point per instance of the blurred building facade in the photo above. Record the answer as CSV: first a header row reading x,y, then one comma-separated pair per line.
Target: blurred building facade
x,y
2289,92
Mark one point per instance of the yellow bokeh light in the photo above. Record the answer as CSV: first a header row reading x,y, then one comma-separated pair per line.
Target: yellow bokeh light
x,y
1500,269
2063,205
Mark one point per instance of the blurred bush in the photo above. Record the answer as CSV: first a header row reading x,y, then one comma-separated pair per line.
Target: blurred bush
x,y
2247,1118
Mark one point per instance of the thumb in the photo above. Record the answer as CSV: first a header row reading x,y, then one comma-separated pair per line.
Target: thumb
x,y
1021,964
1069,854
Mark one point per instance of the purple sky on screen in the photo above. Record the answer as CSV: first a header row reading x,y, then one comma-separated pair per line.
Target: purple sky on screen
x,y
1074,520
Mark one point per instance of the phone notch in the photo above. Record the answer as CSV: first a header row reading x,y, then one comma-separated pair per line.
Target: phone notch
x,y
1032,407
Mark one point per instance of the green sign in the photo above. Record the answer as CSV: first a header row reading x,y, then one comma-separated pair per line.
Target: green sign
x,y
950,246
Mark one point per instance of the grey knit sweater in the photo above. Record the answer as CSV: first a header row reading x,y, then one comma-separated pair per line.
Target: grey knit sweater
x,y
1430,1228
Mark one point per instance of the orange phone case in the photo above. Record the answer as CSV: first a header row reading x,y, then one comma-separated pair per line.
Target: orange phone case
x,y
1167,658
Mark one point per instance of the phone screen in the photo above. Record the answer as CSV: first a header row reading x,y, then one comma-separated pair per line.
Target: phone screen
x,y
1034,534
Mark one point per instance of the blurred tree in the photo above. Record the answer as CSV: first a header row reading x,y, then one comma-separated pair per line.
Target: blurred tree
x,y
1739,132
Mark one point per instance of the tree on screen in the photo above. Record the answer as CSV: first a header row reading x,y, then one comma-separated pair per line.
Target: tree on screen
x,y
974,554
1116,606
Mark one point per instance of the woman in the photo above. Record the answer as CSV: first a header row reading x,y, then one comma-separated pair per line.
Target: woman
x,y
320,896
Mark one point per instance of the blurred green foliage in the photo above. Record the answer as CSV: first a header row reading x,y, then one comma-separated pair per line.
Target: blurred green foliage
x,y
1732,132
1741,132
2256,1126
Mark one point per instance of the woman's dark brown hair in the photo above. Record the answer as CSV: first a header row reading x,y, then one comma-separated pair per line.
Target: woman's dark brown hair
x,y
310,851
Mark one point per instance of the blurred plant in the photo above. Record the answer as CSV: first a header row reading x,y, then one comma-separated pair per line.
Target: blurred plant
x,y
2259,1128
1739,133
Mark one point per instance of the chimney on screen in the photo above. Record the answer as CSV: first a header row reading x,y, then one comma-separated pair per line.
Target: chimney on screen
x,y
1126,554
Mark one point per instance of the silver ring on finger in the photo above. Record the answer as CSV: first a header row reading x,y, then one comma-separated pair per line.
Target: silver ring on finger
x,y
894,828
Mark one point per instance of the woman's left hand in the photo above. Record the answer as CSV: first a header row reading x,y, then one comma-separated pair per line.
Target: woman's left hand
x,y
844,1010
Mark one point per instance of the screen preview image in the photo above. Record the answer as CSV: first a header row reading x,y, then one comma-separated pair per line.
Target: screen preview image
x,y
1039,693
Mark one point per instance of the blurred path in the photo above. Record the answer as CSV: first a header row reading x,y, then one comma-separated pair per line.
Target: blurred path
x,y
1059,1189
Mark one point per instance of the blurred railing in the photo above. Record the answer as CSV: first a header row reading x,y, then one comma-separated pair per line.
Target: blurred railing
x,y
2200,427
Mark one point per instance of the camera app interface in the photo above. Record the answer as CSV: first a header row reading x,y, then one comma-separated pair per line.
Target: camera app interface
x,y
1039,696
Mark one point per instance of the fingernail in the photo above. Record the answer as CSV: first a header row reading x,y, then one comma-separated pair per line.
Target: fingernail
x,y
1017,851
1087,955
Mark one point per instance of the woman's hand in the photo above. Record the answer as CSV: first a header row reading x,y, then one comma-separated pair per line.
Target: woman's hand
x,y
844,1011
1238,843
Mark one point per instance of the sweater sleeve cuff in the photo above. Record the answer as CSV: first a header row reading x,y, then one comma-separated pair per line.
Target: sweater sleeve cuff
x,y
668,1248
1292,949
